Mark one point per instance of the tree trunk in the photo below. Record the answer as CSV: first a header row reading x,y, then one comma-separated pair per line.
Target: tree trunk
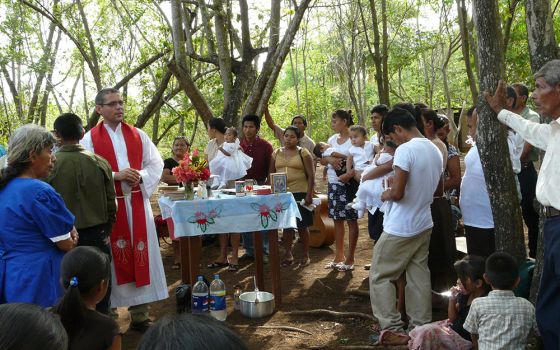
x,y
465,48
491,135
540,33
542,48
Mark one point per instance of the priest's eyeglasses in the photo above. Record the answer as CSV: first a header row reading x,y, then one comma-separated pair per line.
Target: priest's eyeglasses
x,y
113,104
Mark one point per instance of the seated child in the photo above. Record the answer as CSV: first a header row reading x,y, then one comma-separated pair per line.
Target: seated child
x,y
371,186
501,320
450,334
230,162
85,273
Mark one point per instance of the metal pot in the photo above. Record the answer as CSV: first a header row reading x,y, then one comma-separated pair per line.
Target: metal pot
x,y
261,306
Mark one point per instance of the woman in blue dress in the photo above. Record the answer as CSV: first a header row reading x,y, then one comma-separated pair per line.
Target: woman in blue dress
x,y
36,229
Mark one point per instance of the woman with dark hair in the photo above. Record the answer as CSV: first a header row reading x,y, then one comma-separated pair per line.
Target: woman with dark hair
x,y
179,148
85,273
297,163
37,229
30,327
190,331
340,194
216,132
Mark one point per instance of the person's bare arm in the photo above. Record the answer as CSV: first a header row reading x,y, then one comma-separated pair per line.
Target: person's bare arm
x,y
474,340
349,169
396,192
167,177
380,170
334,161
308,164
453,180
69,243
452,305
221,149
116,345
268,119
527,147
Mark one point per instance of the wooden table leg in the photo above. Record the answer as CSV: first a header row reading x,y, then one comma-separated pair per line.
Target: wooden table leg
x,y
259,260
275,267
190,258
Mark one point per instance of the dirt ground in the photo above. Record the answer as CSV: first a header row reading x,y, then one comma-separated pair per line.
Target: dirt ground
x,y
309,288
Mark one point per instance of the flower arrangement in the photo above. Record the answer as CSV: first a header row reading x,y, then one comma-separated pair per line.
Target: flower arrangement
x,y
192,168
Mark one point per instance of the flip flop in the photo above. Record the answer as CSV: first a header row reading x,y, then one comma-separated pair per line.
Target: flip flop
x,y
332,265
233,267
216,264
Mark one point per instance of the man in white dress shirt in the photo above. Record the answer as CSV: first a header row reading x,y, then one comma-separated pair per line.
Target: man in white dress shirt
x,y
138,276
547,138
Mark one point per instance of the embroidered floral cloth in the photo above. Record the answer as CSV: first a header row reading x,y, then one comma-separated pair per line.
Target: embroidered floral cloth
x,y
231,214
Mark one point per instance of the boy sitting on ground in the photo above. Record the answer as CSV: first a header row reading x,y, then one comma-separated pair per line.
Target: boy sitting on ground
x,y
501,320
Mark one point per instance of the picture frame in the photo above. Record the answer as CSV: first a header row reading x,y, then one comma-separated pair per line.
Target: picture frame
x,y
279,182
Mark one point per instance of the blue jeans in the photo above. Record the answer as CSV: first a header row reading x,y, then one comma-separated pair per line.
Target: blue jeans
x,y
548,302
248,242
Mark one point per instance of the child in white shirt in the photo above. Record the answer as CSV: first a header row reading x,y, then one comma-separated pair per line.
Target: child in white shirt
x,y
361,154
230,162
372,181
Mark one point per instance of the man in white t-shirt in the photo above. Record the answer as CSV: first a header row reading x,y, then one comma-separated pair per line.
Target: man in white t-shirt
x,y
404,243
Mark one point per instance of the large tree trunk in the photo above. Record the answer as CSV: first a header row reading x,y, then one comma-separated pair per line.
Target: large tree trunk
x,y
542,48
491,134
465,48
540,33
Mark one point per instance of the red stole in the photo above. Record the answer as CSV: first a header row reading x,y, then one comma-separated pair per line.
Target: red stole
x,y
130,252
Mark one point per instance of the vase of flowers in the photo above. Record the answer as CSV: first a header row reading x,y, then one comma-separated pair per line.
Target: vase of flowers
x,y
191,169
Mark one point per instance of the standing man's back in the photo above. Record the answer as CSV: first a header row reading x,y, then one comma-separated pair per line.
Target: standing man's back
x,y
85,182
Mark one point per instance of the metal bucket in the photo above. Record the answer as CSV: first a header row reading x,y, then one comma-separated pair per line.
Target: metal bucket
x,y
263,307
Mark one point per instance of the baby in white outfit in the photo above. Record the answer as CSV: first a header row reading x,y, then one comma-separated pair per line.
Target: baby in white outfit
x,y
372,183
230,162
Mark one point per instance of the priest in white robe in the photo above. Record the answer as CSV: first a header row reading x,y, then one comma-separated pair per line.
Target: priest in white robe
x,y
138,277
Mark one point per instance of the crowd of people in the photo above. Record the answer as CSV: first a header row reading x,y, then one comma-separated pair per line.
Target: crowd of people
x,y
78,237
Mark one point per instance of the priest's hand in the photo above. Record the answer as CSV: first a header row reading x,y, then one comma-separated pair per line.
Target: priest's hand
x,y
128,175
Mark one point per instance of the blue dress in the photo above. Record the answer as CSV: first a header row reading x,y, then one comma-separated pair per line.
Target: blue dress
x,y
31,213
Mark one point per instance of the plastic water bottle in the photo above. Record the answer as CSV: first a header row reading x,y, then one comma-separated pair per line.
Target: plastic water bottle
x,y
200,296
218,299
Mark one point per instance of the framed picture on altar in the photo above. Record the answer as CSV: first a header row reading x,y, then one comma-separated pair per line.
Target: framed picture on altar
x,y
279,182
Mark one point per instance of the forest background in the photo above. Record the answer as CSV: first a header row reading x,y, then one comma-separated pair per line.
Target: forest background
x,y
179,62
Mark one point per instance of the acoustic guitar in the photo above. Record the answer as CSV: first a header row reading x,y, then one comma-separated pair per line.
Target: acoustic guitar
x,y
322,232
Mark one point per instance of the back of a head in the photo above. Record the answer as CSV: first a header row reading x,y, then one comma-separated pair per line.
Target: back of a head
x,y
30,327
218,124
502,271
398,117
190,331
431,115
82,269
380,109
69,127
